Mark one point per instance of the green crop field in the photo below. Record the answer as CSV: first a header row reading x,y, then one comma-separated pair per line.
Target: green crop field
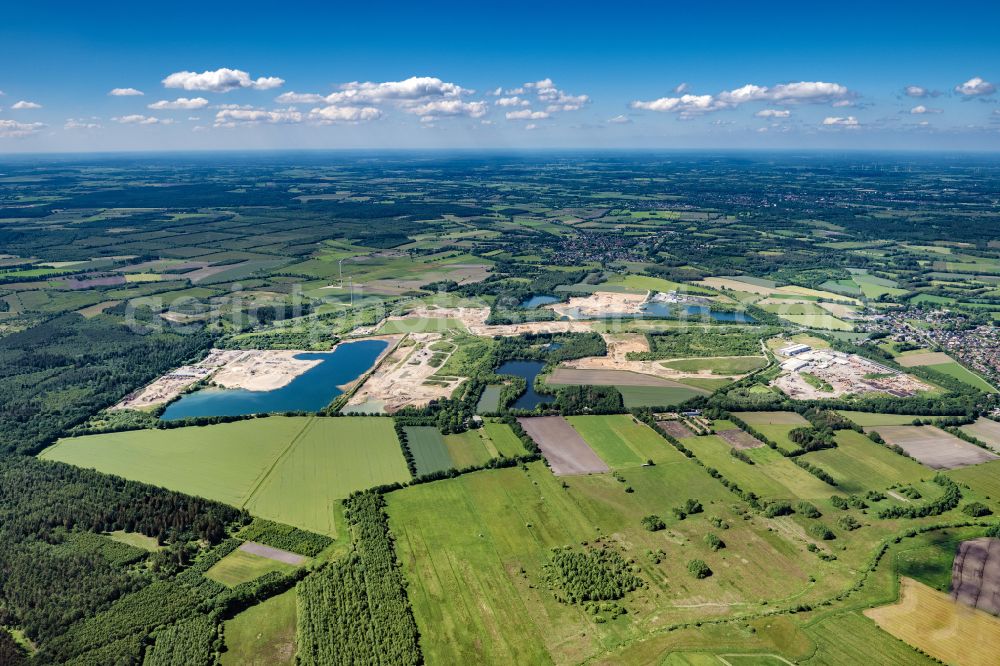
x,y
618,439
963,374
421,325
506,442
866,419
858,464
428,448
333,458
289,469
262,635
472,447
727,365
240,566
656,396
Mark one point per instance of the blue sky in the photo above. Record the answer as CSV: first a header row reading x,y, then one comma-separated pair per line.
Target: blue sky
x,y
499,75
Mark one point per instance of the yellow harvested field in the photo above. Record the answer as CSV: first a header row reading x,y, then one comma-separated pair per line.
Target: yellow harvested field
x,y
927,358
736,285
943,628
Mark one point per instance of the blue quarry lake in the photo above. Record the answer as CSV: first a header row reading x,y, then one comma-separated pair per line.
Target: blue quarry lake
x,y
529,370
311,391
535,301
660,309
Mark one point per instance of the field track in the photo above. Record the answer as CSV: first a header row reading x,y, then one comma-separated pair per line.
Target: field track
x,y
562,446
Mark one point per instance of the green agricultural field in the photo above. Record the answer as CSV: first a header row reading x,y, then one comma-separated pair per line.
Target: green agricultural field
x,y
728,365
657,396
428,448
288,469
262,635
983,478
240,567
333,458
821,321
963,374
618,439
859,464
866,419
219,462
506,442
773,477
472,447
775,426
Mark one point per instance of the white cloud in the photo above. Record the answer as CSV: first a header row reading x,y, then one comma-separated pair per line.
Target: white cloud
x,y
73,123
448,107
531,126
681,88
496,92
512,101
916,91
300,98
773,113
345,114
802,92
414,88
526,114
241,116
620,119
180,103
220,81
24,105
685,104
975,87
840,103
837,121
125,92
12,129
138,119
544,84
921,109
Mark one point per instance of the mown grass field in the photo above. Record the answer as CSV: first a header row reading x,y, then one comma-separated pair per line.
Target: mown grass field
x,y
866,419
240,566
472,447
289,469
656,396
858,464
964,375
262,635
618,439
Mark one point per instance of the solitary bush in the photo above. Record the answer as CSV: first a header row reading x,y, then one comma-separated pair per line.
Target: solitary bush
x,y
699,569
653,523
714,542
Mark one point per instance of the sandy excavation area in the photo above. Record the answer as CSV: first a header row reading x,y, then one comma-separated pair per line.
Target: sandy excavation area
x,y
600,304
167,387
404,379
